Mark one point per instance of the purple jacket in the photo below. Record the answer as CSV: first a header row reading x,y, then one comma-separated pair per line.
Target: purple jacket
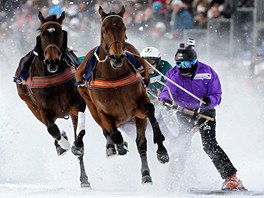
x,y
205,83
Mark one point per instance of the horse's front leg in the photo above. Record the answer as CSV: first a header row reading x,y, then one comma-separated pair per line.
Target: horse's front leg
x,y
141,125
78,145
115,141
60,138
61,141
158,137
79,127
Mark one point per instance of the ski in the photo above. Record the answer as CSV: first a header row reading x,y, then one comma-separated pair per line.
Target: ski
x,y
224,192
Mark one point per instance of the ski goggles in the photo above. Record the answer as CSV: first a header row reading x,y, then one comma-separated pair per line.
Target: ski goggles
x,y
185,64
151,60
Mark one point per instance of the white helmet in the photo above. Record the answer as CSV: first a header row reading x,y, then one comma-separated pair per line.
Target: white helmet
x,y
150,52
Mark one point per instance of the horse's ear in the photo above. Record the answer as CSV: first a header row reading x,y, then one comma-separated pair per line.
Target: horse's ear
x,y
101,12
61,18
41,18
121,13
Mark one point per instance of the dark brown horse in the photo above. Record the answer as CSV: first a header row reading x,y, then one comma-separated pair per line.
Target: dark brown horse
x,y
116,93
50,91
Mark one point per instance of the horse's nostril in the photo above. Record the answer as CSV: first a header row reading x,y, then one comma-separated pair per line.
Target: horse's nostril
x,y
56,61
122,57
47,62
112,57
117,58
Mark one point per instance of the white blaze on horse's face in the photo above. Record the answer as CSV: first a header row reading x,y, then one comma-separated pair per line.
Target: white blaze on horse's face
x,y
50,30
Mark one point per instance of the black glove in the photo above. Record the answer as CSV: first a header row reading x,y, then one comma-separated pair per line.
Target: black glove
x,y
168,104
207,100
166,101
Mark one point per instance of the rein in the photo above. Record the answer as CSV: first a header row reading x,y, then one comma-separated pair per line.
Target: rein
x,y
97,57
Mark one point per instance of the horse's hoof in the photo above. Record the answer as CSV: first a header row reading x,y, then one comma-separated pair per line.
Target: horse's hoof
x,y
123,148
85,185
60,151
110,152
77,151
146,179
163,156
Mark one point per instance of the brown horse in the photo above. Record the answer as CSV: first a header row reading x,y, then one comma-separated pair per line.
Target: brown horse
x,y
50,90
116,92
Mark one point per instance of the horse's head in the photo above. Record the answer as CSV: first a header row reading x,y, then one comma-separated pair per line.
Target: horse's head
x,y
113,35
53,40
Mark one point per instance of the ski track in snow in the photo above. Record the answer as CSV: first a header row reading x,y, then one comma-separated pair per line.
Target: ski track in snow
x,y
30,166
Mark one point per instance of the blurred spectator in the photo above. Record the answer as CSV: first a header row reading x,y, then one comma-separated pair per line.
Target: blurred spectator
x,y
54,7
187,5
181,19
25,25
139,6
157,12
44,10
116,6
214,12
217,2
158,30
200,20
128,15
157,6
75,24
71,9
200,6
138,22
229,7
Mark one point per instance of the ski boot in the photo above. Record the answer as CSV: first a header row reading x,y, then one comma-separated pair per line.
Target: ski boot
x,y
233,183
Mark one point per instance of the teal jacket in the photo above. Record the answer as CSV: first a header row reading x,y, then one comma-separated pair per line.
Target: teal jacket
x,y
155,87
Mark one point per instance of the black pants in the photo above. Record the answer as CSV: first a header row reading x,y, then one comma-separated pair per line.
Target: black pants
x,y
210,145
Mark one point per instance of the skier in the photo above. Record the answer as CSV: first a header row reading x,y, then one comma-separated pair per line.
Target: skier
x,y
202,81
165,120
153,57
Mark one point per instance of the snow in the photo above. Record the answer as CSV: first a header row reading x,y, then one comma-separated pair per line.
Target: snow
x,y
30,167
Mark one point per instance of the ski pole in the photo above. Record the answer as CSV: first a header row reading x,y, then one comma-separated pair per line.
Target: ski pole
x,y
184,110
180,87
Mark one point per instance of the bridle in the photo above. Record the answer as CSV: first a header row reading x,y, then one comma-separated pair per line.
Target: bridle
x,y
51,45
108,56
